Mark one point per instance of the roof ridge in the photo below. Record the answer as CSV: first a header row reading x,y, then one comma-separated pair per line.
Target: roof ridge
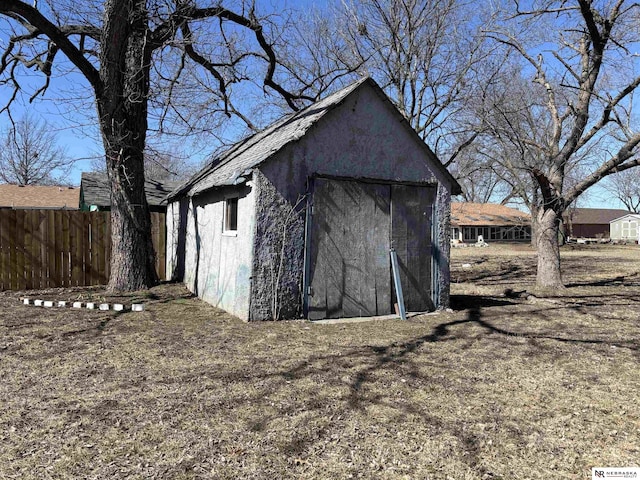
x,y
323,105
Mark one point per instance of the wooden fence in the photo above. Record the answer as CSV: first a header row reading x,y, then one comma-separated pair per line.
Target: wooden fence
x,y
62,248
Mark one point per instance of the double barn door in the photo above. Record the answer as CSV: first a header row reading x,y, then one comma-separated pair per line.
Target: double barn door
x,y
352,228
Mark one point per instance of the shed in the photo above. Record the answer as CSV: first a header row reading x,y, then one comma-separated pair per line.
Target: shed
x,y
626,228
298,220
95,192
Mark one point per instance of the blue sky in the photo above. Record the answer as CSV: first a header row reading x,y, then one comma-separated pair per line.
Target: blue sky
x,y
75,123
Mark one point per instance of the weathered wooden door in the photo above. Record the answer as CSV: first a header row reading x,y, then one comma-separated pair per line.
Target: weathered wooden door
x,y
411,238
353,227
349,265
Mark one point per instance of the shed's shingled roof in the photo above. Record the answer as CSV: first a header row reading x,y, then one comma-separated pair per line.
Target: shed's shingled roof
x,y
593,216
96,190
486,214
38,196
255,149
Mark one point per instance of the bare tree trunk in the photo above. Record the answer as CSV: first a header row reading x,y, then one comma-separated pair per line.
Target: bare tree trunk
x,y
547,230
132,253
122,108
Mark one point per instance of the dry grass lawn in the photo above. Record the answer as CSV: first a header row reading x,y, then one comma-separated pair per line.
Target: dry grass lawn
x,y
503,387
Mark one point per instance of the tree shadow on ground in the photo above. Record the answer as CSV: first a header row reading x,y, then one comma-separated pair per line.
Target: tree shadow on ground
x,y
632,280
507,271
369,360
464,302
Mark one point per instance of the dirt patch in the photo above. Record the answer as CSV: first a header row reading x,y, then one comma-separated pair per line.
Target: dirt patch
x,y
502,387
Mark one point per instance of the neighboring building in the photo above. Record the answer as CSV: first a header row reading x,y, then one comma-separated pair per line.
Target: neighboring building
x,y
589,222
494,222
299,219
626,228
95,192
38,197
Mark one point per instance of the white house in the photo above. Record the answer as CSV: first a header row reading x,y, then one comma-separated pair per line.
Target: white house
x,y
494,222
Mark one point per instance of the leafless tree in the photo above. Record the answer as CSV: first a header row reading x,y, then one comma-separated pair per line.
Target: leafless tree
x,y
30,154
503,154
482,175
145,63
428,55
160,165
625,186
579,115
164,165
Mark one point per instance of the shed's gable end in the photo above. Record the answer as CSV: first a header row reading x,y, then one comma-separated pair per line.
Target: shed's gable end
x,y
237,162
364,137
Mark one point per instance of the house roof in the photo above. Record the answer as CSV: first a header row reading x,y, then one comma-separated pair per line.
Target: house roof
x,y
486,214
38,196
629,215
255,149
96,190
593,216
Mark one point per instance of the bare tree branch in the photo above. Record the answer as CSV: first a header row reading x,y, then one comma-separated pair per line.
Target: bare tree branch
x,y
30,15
586,128
120,52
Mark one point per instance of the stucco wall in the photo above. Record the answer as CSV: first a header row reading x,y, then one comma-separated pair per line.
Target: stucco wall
x,y
362,138
442,246
171,257
217,265
176,235
278,254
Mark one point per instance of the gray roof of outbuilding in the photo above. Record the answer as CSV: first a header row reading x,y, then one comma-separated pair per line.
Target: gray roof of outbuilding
x,y
255,149
96,191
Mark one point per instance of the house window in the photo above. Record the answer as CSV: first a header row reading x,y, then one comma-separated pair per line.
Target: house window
x,y
231,214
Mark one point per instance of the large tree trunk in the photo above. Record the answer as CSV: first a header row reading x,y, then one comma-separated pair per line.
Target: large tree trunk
x,y
122,109
547,230
132,254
